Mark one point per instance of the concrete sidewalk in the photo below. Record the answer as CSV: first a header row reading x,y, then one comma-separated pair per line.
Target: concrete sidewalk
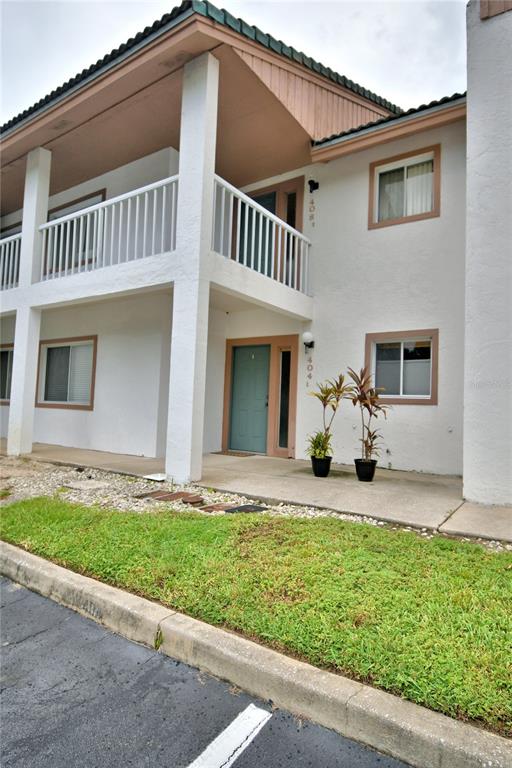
x,y
409,498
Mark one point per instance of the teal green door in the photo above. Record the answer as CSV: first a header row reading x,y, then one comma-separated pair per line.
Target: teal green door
x,y
249,398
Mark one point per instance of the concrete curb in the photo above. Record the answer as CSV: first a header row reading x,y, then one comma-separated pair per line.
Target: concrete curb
x,y
416,735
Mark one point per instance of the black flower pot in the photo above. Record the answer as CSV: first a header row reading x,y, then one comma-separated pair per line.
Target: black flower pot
x,y
321,467
365,469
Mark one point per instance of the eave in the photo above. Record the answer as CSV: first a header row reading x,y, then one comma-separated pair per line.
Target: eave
x,y
399,128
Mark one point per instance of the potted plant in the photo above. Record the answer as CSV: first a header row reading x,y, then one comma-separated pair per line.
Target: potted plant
x,y
365,396
330,394
320,450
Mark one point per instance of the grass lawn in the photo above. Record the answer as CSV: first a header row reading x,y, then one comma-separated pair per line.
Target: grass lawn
x,y
430,620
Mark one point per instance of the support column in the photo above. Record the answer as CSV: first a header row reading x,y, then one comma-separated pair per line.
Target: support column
x,y
28,320
23,382
487,468
35,213
187,381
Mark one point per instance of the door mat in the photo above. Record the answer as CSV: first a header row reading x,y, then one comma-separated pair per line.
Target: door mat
x,y
242,454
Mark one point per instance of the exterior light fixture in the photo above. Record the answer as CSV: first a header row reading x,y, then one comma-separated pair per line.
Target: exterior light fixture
x,y
313,185
307,340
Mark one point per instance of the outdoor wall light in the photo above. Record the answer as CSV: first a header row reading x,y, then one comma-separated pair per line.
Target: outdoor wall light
x,y
307,340
313,185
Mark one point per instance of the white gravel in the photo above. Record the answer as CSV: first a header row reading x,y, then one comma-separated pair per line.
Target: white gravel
x,y
23,478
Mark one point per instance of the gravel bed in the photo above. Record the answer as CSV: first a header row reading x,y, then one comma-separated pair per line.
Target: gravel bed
x,y
24,478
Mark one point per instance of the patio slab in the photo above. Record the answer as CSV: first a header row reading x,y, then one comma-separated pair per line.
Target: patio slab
x,y
488,522
81,457
409,498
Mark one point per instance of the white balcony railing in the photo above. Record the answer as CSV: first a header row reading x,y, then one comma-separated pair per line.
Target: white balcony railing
x,y
10,248
249,234
125,228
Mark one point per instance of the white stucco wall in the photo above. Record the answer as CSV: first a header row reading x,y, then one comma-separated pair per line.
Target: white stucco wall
x,y
488,364
131,371
404,277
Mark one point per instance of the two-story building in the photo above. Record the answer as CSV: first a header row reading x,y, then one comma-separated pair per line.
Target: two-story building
x,y
177,216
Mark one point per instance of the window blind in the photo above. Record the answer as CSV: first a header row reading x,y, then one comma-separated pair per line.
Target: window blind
x,y
80,369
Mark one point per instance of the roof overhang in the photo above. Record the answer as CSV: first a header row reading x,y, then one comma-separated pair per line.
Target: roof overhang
x,y
130,107
390,130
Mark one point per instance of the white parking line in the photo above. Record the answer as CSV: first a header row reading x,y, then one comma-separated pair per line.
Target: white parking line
x,y
229,745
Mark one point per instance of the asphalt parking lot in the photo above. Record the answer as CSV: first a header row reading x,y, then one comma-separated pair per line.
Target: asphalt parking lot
x,y
74,694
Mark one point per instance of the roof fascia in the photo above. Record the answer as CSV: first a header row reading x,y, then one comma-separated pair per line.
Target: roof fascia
x,y
372,136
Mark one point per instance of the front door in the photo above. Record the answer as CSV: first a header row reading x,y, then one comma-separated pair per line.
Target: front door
x,y
249,398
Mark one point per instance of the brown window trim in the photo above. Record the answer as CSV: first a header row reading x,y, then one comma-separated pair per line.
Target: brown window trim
x,y
100,192
6,346
436,210
426,333
277,345
64,342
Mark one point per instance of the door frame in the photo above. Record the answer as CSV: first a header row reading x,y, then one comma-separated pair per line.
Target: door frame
x,y
277,345
282,189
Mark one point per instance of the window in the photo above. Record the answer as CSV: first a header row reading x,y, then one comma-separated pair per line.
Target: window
x,y
404,365
11,230
76,205
66,373
6,353
405,188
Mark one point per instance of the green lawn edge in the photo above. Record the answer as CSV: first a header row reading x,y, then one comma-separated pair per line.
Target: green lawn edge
x,y
425,619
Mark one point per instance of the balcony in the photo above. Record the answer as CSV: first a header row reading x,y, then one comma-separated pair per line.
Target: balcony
x,y
247,233
142,223
125,228
10,248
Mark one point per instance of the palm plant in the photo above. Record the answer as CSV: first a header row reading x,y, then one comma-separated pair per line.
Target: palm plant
x,y
330,394
366,396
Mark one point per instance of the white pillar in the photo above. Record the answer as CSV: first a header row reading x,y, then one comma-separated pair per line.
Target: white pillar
x,y
28,320
23,383
35,212
187,379
487,468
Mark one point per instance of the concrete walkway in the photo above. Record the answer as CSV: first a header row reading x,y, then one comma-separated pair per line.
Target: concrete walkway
x,y
409,498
